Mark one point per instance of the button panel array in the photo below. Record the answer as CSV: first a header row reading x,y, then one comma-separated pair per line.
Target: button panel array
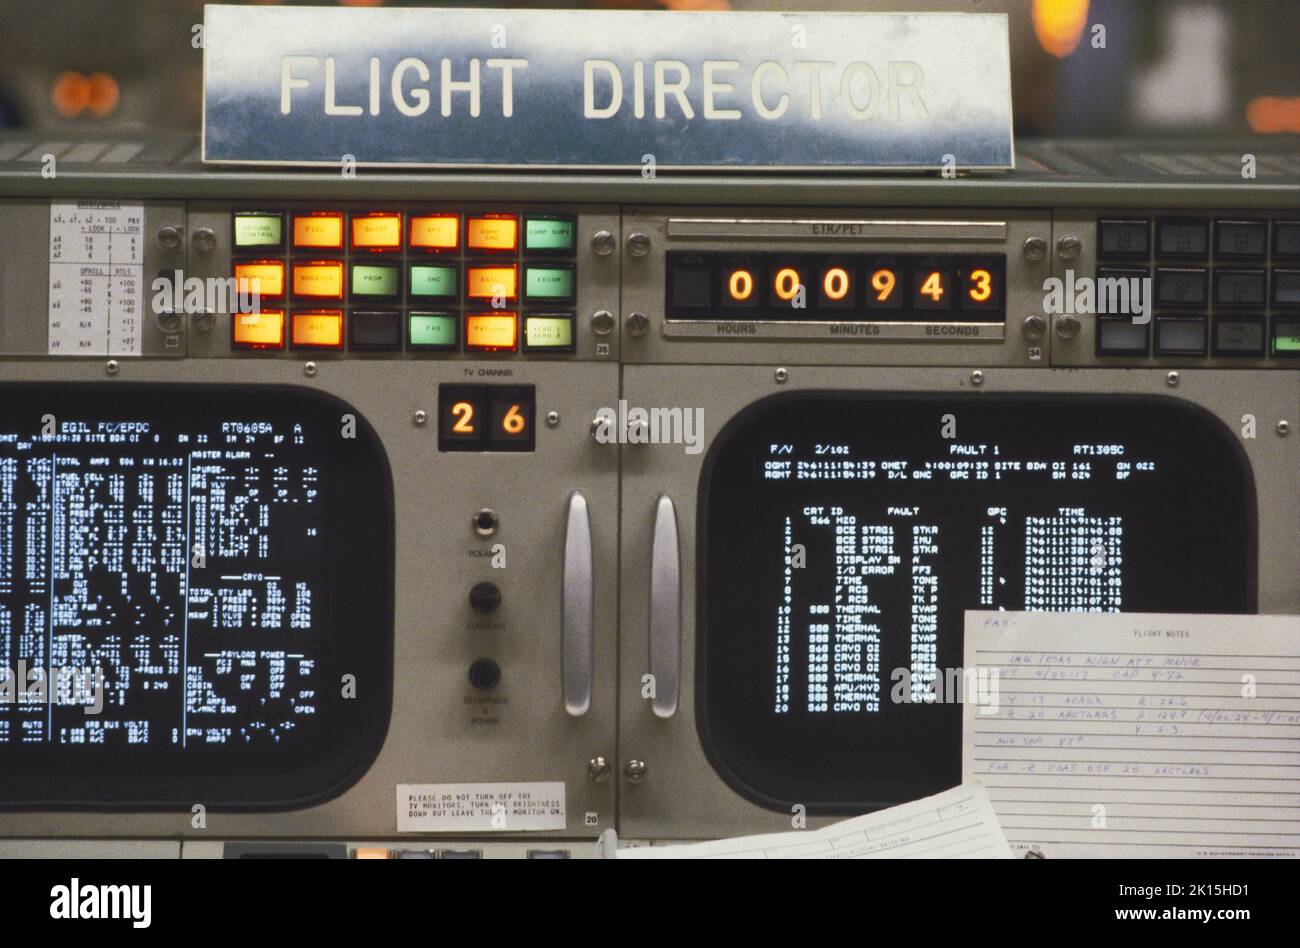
x,y
854,287
1227,286
391,281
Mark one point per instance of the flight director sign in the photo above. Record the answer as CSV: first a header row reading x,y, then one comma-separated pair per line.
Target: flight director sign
x,y
605,89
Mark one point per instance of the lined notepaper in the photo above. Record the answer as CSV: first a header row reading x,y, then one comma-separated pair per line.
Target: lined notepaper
x,y
1129,734
955,824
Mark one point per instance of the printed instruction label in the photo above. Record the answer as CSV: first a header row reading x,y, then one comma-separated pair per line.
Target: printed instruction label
x,y
480,807
96,279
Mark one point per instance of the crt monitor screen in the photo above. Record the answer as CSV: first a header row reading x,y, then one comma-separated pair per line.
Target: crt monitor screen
x,y
842,536
186,575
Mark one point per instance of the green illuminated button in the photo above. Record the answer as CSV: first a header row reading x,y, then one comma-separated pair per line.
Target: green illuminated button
x,y
548,332
259,230
548,233
433,281
548,283
432,331
1286,339
369,280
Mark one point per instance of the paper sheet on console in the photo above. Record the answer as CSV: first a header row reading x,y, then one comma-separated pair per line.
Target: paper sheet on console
x,y
1138,735
955,824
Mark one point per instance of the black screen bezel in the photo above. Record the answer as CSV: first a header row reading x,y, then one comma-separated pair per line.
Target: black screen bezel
x,y
358,640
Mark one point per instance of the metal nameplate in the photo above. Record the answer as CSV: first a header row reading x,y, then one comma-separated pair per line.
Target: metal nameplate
x,y
480,88
758,228
811,329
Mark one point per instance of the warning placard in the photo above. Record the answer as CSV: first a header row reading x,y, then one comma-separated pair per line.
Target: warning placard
x,y
480,807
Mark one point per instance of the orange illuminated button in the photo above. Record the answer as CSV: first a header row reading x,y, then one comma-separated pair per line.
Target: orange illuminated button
x,y
322,231
320,279
492,233
377,232
265,277
435,232
264,330
490,332
317,329
485,283
371,852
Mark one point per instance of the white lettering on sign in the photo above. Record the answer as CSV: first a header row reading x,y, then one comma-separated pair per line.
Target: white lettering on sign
x,y
96,303
480,807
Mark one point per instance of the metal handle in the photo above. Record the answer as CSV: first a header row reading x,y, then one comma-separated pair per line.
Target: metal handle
x,y
665,611
577,610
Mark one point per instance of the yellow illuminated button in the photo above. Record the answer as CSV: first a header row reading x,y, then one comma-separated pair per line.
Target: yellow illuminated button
x,y
323,231
317,329
264,330
435,232
377,232
265,277
492,233
490,332
320,279
485,283
548,332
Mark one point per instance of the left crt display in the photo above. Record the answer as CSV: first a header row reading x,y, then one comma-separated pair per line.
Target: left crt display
x,y
184,582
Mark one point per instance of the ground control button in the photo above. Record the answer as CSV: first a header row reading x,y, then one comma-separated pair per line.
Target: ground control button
x,y
485,597
485,674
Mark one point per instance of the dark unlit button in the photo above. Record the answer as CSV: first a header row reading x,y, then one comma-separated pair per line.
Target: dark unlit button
x,y
1239,337
375,331
1121,337
1180,337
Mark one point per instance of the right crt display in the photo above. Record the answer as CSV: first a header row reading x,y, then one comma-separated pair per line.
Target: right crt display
x,y
842,537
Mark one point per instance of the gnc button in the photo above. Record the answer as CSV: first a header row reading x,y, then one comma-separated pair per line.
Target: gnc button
x,y
265,277
492,233
264,330
435,232
319,329
490,332
318,280
485,283
318,230
377,232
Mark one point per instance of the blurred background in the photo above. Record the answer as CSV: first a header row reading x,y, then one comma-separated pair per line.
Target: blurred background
x,y
1079,67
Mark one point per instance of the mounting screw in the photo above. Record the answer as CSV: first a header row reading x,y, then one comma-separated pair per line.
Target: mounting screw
x,y
111,367
168,321
309,369
1067,327
552,419
204,321
1035,248
420,418
638,245
782,376
1068,247
169,238
635,770
203,240
602,322
977,377
602,243
598,769
1283,428
638,324
1172,379
1034,328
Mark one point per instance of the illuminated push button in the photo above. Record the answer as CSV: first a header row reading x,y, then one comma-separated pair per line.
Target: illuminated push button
x,y
1239,336
739,283
1286,338
1241,239
549,234
321,279
549,333
884,286
374,282
374,332
431,281
264,330
377,232
431,331
486,283
318,231
435,232
1182,239
265,277
548,283
932,284
1180,335
1239,287
1178,287
490,332
1124,238
1120,336
257,230
317,329
492,233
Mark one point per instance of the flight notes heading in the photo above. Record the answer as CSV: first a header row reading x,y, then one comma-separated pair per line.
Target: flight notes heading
x,y
605,89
